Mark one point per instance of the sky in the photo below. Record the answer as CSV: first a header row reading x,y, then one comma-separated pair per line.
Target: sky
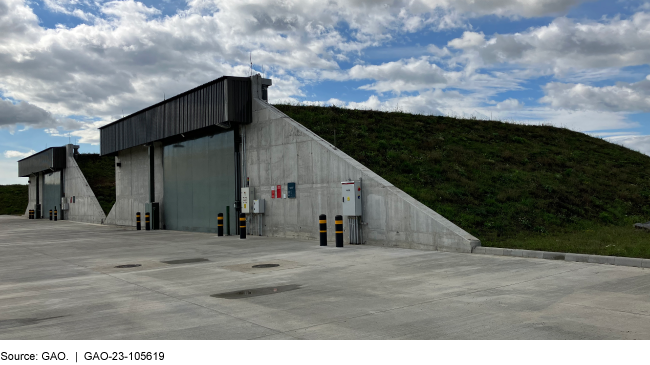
x,y
68,67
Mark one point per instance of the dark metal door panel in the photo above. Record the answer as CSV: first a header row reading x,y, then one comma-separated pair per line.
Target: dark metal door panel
x,y
222,185
52,193
170,184
199,182
184,187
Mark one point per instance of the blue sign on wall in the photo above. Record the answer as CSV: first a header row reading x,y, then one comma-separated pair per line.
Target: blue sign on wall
x,y
291,190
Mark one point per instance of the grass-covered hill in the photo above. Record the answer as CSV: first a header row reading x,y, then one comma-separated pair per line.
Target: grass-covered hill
x,y
13,199
510,185
100,174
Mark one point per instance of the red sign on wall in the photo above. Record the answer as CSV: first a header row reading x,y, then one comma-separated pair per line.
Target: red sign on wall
x,y
279,193
272,193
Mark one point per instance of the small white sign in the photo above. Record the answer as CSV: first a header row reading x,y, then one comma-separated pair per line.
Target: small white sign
x,y
245,200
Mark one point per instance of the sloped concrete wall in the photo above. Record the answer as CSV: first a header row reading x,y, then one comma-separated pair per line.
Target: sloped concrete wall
x,y
85,206
132,185
279,150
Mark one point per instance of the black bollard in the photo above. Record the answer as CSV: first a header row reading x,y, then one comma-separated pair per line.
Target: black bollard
x,y
138,225
50,214
31,214
147,225
220,224
55,214
242,225
322,222
338,224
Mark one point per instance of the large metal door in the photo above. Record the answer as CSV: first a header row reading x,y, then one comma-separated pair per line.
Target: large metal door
x,y
52,193
199,182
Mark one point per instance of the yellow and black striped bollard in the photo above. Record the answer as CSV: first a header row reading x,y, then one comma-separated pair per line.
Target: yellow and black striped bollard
x,y
322,222
138,225
220,224
56,214
242,225
338,224
50,214
147,225
31,214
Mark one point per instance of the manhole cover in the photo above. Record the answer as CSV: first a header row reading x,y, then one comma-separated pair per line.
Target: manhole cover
x,y
184,261
127,266
264,266
249,293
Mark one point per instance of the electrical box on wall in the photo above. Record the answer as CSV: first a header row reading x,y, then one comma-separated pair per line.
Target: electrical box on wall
x,y
258,206
246,200
351,198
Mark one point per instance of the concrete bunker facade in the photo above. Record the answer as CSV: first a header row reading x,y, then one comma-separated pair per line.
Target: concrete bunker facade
x,y
57,183
186,159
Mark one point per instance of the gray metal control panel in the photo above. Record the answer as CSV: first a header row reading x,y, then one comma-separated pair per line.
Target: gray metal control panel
x,y
258,206
351,198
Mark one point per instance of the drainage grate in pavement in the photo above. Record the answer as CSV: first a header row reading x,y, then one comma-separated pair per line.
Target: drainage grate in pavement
x,y
264,266
249,293
127,266
184,261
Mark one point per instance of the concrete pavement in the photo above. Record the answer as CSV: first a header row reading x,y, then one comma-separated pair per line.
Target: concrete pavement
x,y
58,281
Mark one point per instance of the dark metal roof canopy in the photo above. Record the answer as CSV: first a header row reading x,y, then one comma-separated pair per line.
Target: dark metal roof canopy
x,y
220,102
50,159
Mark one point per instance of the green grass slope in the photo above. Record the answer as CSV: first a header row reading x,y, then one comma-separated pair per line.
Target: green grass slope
x,y
13,199
100,174
532,187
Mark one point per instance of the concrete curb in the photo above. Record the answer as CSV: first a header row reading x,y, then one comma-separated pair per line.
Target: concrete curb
x,y
562,256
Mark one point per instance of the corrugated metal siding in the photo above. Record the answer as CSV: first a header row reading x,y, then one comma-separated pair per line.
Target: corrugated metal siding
x,y
198,108
240,102
51,158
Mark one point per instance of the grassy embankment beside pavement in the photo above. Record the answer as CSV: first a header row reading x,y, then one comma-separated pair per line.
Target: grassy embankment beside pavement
x,y
13,199
510,185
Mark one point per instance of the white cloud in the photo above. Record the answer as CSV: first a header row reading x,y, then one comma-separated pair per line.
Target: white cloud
x,y
456,104
511,8
402,75
127,54
9,172
509,104
566,45
18,155
424,73
620,97
637,143
29,115
468,40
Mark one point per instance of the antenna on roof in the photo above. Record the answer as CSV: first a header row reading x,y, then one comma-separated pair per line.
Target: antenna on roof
x,y
164,98
250,58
